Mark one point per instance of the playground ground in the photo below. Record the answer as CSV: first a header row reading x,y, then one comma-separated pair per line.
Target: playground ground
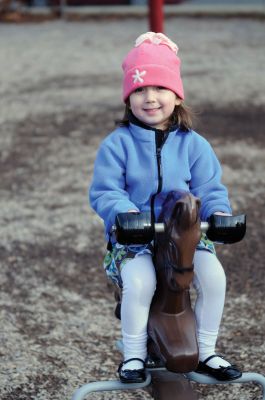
x,y
59,96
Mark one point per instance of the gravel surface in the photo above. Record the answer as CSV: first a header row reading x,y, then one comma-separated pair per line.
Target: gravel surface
x,y
59,96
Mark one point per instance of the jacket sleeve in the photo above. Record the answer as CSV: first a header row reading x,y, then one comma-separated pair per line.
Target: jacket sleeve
x,y
206,174
107,193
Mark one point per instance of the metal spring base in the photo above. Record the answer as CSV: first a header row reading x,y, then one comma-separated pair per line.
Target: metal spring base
x,y
104,386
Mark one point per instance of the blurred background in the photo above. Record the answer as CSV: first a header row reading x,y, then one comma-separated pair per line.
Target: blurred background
x,y
60,5
60,95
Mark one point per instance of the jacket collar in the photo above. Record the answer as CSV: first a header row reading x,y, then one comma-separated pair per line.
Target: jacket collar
x,y
141,124
143,131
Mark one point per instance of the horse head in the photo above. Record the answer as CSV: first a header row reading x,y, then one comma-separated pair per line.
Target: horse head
x,y
176,246
171,324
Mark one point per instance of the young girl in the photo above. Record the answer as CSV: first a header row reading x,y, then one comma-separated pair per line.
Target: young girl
x,y
153,152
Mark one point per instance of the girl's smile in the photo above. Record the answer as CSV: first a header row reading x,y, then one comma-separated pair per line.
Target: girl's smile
x,y
153,105
151,110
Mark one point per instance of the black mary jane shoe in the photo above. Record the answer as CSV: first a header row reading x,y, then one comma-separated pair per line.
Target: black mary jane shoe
x,y
131,375
222,373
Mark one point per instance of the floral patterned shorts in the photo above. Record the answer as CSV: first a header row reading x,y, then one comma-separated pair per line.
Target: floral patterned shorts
x,y
120,254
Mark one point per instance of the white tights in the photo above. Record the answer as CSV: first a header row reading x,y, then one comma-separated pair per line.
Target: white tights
x,y
139,282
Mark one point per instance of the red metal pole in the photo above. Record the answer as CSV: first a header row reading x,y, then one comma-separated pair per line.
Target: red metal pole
x,y
156,15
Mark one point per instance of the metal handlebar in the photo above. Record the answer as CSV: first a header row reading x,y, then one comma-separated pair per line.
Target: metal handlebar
x,y
160,227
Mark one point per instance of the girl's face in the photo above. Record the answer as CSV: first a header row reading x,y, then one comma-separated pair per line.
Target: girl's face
x,y
153,105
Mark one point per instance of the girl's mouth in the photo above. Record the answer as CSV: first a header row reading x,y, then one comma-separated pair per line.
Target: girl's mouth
x,y
151,111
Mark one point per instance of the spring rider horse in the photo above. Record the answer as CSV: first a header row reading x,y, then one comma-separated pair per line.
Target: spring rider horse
x,y
172,345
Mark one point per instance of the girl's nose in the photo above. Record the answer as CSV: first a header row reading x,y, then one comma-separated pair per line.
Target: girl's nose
x,y
149,95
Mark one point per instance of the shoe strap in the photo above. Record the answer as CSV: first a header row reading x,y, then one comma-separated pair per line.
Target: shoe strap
x,y
132,359
211,357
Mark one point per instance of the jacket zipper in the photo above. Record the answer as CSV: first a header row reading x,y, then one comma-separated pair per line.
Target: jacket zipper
x,y
160,138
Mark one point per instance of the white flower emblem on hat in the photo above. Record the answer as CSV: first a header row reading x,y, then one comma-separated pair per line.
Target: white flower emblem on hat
x,y
137,77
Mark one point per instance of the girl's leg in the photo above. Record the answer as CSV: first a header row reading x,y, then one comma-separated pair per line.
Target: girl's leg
x,y
210,284
139,282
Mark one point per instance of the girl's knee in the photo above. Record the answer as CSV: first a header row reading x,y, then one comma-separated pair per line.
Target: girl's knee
x,y
139,277
209,273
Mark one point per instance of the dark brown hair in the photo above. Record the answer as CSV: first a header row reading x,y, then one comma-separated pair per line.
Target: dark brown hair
x,y
181,116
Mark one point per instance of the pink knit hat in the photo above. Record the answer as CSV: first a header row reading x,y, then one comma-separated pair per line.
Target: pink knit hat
x,y
152,62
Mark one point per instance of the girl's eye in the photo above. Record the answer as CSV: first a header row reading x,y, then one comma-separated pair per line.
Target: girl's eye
x,y
139,90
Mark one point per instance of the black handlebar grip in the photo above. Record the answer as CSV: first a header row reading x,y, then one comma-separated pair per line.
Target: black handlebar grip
x,y
134,228
137,228
226,229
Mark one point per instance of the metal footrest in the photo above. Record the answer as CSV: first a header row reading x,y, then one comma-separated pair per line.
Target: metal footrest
x,y
247,377
104,386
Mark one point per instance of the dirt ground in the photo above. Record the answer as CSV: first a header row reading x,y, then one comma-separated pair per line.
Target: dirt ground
x,y
59,96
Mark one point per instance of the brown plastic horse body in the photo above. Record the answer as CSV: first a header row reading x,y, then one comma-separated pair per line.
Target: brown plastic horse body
x,y
171,325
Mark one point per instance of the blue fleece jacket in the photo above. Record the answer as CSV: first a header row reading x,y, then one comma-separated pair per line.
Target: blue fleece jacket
x,y
126,173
